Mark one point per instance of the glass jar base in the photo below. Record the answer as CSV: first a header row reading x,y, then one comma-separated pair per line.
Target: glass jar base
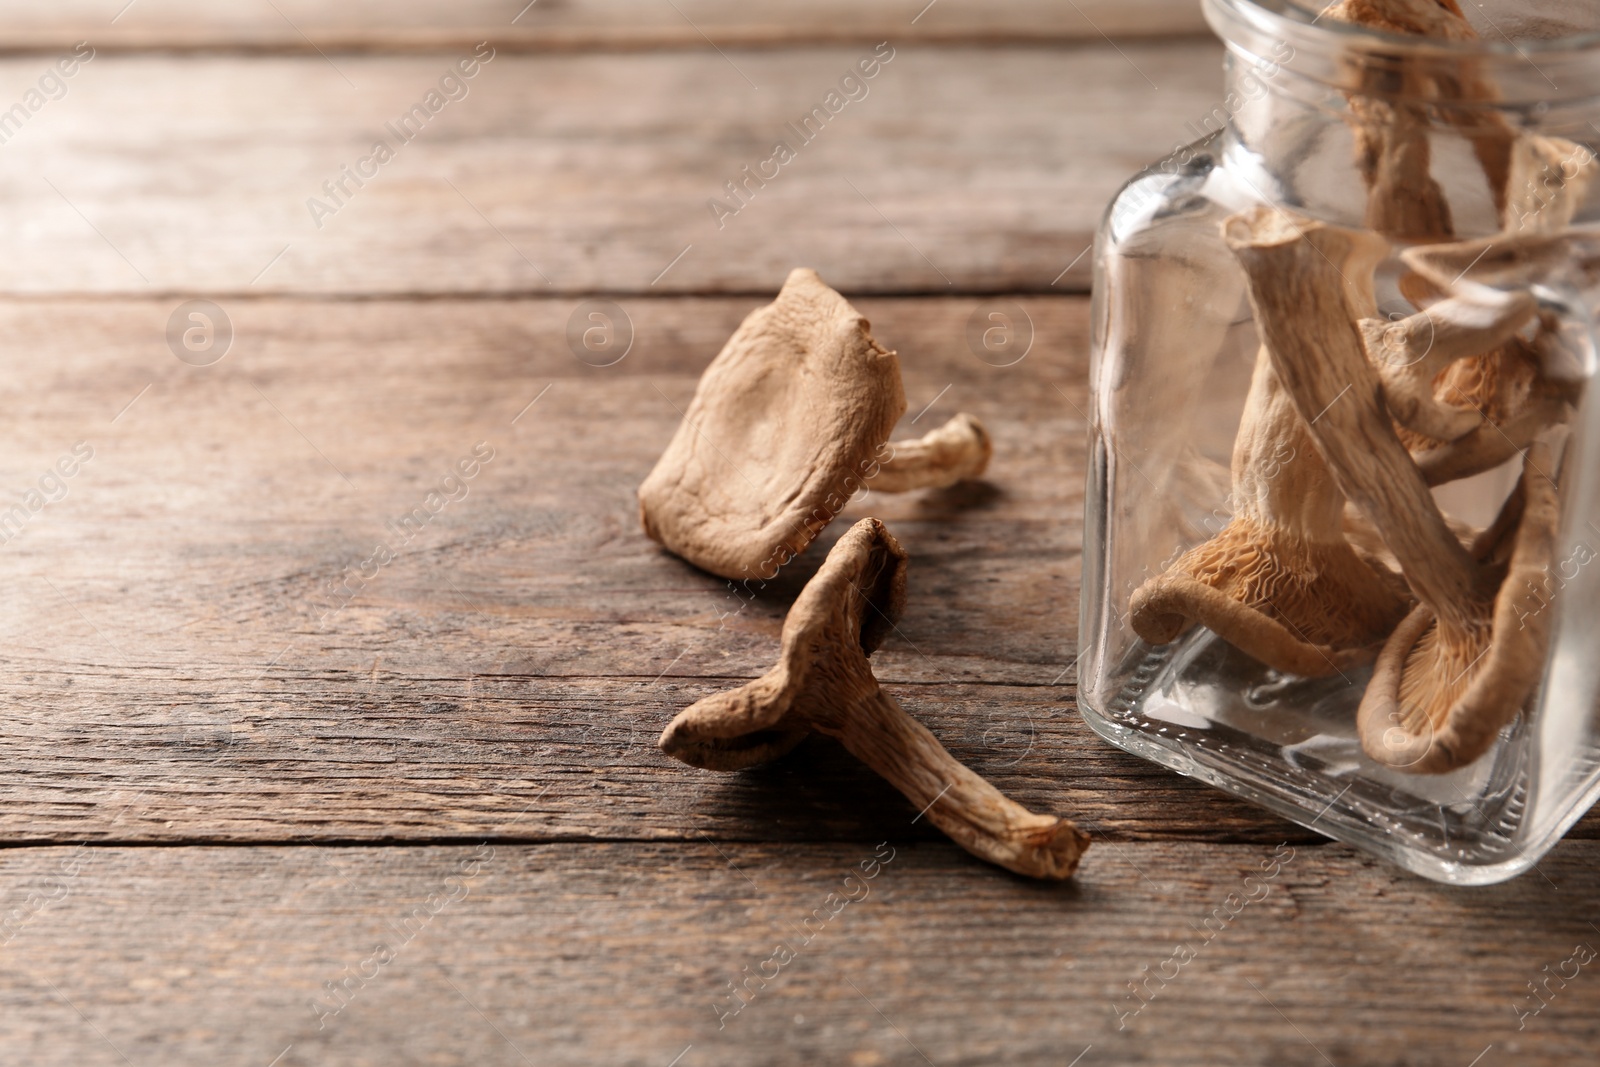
x,y
1207,711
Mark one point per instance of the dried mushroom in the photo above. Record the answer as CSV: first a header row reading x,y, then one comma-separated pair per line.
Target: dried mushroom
x,y
1531,384
1279,581
956,451
823,680
1485,404
1453,656
1393,151
1411,354
1428,18
1431,706
789,421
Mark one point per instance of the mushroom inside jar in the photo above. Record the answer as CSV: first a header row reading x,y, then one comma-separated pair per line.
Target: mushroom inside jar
x,y
1344,556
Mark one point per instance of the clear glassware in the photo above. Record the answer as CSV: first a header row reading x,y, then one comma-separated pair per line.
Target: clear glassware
x,y
1174,346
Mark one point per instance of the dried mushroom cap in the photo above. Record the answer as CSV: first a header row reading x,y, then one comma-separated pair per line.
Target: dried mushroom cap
x,y
958,450
1517,404
1411,354
784,428
1279,582
1441,691
1522,386
823,680
1485,270
1549,180
789,421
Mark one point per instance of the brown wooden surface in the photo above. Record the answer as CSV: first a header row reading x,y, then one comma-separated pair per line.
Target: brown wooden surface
x,y
962,170
621,953
531,636
387,25
214,799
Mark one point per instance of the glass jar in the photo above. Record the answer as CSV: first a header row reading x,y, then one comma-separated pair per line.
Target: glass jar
x,y
1237,529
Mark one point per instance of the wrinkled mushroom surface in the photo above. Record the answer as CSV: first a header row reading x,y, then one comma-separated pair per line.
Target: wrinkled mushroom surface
x,y
785,426
1453,672
789,421
1280,581
1441,693
823,680
958,450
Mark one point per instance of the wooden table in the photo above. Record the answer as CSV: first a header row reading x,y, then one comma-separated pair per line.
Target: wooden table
x,y
228,793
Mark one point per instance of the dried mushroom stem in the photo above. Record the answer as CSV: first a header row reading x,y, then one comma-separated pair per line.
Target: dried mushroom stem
x,y
823,680
958,450
973,813
1296,287
1462,664
1439,695
1393,151
1279,582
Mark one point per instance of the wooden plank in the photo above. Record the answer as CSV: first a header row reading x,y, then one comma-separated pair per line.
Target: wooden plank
x,y
304,25
962,169
623,954
165,638
168,638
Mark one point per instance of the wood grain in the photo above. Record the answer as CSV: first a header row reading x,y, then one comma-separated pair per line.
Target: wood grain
x,y
172,675
622,954
166,637
356,25
166,641
961,170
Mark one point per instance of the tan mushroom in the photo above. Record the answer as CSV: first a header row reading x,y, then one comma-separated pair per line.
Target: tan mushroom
x,y
1411,354
789,421
1509,385
1280,581
1478,410
1487,269
1391,127
1426,18
1523,386
1549,180
1315,345
1513,386
823,680
1437,700
956,451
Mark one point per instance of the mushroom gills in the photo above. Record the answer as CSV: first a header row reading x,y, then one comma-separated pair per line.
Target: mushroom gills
x,y
1444,688
1279,582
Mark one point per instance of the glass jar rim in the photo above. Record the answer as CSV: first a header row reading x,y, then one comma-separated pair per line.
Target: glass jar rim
x,y
1537,72
1279,17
